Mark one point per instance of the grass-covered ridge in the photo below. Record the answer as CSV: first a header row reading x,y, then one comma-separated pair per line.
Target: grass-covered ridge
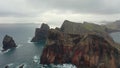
x,y
73,27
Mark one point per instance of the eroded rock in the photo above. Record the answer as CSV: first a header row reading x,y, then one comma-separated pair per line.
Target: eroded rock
x,y
8,42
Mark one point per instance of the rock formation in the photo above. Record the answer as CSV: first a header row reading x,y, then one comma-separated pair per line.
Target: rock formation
x,y
41,33
8,42
88,50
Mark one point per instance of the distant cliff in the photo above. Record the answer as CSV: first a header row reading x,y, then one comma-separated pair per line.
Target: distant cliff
x,y
41,33
81,28
89,50
113,26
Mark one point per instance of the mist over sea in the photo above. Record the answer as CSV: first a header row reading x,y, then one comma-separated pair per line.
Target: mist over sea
x,y
27,53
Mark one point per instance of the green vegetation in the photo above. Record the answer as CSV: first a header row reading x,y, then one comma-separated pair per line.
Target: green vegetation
x,y
93,27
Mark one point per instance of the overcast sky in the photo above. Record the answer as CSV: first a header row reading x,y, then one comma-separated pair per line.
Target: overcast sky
x,y
56,11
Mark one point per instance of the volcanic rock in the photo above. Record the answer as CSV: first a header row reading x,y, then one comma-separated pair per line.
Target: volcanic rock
x,y
41,33
85,51
8,42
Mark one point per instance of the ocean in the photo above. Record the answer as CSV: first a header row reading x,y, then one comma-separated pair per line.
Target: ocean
x,y
26,53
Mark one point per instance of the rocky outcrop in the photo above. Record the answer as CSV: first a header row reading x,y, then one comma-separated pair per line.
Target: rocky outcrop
x,y
41,33
8,42
6,66
89,50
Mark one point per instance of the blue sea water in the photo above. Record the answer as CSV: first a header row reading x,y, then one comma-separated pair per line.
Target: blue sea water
x,y
26,53
116,36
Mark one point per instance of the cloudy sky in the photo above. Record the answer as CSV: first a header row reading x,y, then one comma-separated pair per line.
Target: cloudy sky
x,y
56,11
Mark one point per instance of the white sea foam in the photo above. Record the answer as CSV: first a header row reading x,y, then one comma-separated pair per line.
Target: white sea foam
x,y
36,59
2,52
19,45
66,66
29,40
10,64
59,66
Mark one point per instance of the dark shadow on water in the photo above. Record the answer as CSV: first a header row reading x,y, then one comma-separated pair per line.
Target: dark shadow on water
x,y
40,43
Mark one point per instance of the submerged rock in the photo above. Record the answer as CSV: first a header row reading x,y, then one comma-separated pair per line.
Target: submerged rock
x,y
6,66
41,33
21,66
87,51
8,42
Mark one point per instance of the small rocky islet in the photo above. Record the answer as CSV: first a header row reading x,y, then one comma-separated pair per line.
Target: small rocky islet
x,y
8,43
85,45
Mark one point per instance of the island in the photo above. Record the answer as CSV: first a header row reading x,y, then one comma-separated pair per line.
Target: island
x,y
8,43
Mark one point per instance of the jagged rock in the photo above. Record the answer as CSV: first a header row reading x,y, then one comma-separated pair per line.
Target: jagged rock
x,y
41,33
8,42
84,51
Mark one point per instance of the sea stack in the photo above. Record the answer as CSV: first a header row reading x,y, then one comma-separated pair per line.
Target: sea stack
x,y
8,42
41,33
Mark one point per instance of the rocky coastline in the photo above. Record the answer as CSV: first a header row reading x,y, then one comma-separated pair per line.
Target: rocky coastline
x,y
83,48
89,50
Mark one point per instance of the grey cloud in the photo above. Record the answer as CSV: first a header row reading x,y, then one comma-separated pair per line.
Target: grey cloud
x,y
13,14
22,8
17,8
81,6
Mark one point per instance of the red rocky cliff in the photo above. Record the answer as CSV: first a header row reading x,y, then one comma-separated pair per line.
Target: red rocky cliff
x,y
88,50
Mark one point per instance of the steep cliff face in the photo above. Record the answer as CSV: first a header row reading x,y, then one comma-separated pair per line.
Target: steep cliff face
x,y
41,33
88,50
8,42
